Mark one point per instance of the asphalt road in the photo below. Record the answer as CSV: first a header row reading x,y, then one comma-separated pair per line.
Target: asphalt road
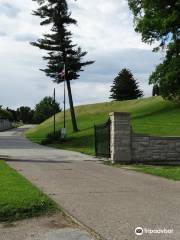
x,y
14,145
111,201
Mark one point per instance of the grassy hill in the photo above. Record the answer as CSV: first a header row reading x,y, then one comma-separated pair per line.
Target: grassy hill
x,y
153,116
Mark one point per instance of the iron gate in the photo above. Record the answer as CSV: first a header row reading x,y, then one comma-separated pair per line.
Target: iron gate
x,y
102,139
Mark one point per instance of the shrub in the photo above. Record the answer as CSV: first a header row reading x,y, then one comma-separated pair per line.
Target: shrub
x,y
52,137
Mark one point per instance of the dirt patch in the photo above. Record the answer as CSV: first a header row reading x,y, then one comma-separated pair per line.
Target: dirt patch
x,y
59,221
33,228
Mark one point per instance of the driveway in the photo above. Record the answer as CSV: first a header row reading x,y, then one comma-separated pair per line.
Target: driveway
x,y
14,145
111,201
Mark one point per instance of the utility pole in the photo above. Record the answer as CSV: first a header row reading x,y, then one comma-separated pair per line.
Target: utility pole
x,y
64,96
54,111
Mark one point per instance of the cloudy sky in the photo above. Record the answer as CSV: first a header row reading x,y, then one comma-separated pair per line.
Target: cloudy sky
x,y
105,30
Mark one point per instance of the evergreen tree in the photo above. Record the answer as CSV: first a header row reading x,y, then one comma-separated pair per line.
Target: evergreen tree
x,y
125,87
61,50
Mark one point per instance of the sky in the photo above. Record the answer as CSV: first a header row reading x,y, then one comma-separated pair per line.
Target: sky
x,y
105,29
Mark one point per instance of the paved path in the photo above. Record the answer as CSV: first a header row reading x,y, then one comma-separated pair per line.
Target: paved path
x,y
15,146
54,227
111,201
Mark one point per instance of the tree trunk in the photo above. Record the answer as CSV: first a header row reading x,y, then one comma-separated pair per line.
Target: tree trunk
x,y
175,42
73,117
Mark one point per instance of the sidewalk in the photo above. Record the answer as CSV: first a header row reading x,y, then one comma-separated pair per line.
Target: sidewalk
x,y
54,227
110,201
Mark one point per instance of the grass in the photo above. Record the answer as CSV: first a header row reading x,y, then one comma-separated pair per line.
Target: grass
x,y
19,198
153,116
169,172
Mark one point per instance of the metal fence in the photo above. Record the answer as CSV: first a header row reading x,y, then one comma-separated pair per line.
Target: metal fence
x,y
102,139
4,124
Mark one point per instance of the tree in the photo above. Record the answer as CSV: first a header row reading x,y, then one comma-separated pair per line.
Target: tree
x,y
4,114
167,75
155,91
125,87
159,20
61,50
13,114
45,109
25,114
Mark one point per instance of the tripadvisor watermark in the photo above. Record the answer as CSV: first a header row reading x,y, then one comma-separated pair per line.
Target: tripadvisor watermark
x,y
139,231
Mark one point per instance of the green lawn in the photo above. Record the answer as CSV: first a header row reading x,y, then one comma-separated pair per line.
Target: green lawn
x,y
170,172
153,116
19,198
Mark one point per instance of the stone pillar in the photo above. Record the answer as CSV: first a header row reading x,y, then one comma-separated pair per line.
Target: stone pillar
x,y
120,137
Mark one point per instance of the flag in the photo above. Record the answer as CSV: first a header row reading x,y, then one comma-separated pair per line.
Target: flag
x,y
62,73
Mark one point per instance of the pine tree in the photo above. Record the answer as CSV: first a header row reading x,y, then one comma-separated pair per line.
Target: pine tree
x,y
125,87
61,50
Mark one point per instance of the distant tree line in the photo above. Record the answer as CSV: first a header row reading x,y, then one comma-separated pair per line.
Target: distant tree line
x,y
4,114
42,111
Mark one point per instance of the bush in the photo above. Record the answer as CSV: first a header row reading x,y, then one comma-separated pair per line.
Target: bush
x,y
52,137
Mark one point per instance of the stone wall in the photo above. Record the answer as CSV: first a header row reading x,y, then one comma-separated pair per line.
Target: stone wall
x,y
155,149
4,124
127,147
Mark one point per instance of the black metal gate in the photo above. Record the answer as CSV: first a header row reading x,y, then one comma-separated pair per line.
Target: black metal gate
x,y
102,139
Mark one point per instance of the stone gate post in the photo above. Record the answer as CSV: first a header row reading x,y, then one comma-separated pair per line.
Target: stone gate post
x,y
120,143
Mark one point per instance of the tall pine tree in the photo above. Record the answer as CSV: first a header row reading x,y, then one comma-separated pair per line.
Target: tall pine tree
x,y
61,50
125,87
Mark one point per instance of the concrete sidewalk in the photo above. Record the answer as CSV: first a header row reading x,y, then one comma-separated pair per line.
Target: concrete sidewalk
x,y
111,201
53,227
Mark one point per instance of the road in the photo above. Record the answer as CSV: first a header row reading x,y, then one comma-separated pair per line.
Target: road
x,y
14,145
111,201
